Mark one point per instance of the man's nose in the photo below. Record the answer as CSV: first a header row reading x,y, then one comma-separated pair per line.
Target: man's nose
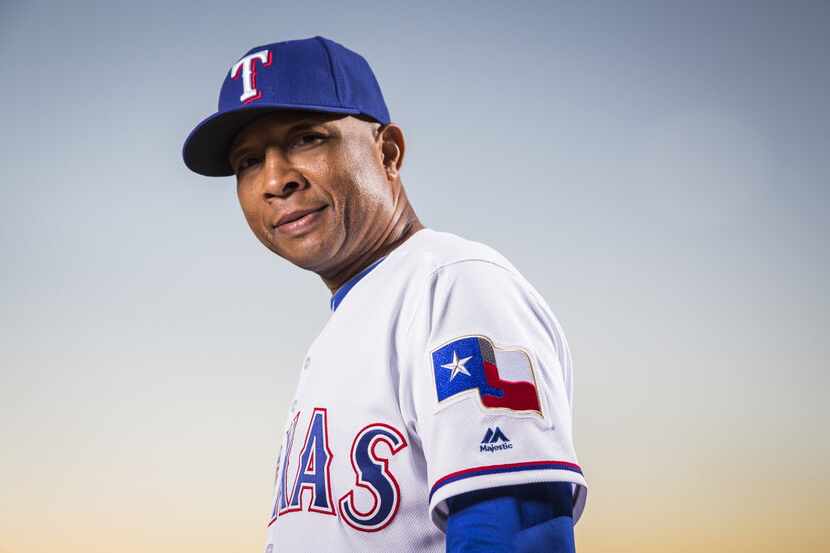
x,y
282,178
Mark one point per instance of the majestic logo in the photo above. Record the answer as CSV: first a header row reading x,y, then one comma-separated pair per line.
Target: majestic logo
x,y
494,441
247,69
502,378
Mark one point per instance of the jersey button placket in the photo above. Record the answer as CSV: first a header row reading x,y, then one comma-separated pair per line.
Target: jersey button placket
x,y
301,385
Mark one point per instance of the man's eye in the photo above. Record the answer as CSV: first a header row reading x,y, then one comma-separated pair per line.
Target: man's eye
x,y
309,138
245,163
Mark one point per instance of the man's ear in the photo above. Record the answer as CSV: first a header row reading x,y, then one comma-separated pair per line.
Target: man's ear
x,y
392,148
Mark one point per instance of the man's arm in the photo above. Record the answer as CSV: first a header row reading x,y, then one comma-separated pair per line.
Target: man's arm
x,y
512,519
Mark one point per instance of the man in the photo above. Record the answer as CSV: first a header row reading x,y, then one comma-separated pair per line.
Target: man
x,y
433,411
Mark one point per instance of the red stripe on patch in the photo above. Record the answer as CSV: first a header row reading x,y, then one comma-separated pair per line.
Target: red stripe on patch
x,y
518,396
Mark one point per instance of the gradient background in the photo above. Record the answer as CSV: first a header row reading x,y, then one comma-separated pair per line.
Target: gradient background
x,y
659,171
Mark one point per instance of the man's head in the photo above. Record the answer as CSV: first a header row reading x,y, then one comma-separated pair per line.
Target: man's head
x,y
303,125
345,168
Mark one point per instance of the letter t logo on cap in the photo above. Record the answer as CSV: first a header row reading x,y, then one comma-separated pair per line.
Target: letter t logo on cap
x,y
246,64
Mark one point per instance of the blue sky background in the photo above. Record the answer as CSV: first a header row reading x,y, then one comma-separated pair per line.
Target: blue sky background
x,y
658,170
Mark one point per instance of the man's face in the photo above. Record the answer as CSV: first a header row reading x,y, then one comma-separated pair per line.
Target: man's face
x,y
295,161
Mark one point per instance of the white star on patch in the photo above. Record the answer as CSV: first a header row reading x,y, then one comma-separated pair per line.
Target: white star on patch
x,y
457,365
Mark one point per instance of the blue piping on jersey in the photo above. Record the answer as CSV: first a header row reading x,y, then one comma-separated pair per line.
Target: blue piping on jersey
x,y
341,292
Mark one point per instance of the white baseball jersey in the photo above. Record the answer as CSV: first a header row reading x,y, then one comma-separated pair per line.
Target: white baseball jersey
x,y
440,371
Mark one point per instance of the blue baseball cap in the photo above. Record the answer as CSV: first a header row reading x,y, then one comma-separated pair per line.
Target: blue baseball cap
x,y
314,74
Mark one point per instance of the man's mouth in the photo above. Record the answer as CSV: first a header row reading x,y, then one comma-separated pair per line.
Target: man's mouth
x,y
297,214
298,221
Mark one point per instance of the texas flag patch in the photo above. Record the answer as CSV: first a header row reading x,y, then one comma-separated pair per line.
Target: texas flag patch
x,y
502,378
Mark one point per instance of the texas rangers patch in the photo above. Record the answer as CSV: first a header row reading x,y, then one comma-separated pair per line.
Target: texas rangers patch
x,y
502,378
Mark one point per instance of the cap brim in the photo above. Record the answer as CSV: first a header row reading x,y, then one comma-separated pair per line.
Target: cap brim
x,y
205,150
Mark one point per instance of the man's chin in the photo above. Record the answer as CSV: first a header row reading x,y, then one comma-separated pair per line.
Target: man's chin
x,y
313,251
311,257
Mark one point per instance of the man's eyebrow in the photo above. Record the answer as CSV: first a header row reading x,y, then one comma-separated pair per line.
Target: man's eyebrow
x,y
303,123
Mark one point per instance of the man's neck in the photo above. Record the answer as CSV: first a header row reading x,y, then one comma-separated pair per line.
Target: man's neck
x,y
399,233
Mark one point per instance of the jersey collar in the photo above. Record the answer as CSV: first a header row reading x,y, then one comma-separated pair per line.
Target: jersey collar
x,y
341,292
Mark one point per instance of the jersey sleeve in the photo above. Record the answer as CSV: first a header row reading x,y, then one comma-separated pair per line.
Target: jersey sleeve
x,y
490,386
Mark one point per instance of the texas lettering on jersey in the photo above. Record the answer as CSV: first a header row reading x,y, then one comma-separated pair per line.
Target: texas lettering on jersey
x,y
311,488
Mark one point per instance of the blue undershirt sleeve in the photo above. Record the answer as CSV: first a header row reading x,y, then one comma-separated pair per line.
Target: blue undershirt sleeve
x,y
512,519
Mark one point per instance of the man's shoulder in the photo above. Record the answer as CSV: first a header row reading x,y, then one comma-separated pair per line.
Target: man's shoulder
x,y
435,250
438,262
